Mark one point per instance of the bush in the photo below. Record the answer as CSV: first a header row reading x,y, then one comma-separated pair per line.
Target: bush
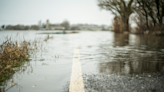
x,y
12,55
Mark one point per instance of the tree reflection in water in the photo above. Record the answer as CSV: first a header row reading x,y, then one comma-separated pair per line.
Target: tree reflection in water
x,y
132,54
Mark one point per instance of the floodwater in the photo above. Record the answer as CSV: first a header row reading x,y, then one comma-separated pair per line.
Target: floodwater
x,y
101,52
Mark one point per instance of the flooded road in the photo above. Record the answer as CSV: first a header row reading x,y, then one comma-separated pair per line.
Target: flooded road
x,y
110,53
101,53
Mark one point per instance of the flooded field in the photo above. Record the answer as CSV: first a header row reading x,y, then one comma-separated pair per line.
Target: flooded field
x,y
106,58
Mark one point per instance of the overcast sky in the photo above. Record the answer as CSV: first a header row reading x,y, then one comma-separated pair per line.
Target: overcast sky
x,y
31,11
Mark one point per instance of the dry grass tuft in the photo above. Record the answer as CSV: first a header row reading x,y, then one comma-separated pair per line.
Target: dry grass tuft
x,y
12,55
48,37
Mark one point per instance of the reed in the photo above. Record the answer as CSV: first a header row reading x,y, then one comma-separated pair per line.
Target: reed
x,y
13,55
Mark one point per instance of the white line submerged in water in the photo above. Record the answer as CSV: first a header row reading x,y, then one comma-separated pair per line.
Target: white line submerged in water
x,y
76,84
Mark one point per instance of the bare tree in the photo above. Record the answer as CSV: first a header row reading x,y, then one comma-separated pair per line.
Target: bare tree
x,y
153,11
122,8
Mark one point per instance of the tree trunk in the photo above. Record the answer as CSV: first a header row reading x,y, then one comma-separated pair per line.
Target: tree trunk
x,y
127,24
146,16
125,20
147,25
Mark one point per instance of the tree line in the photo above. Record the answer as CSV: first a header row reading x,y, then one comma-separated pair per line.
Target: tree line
x,y
20,27
149,14
65,25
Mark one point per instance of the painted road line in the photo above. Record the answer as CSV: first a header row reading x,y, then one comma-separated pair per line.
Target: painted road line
x,y
76,84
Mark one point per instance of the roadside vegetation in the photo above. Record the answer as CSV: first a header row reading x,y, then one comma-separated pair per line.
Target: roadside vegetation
x,y
14,54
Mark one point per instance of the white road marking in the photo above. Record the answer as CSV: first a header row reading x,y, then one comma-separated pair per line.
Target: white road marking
x,y
76,84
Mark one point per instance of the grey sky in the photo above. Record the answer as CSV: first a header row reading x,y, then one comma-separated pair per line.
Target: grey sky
x,y
31,11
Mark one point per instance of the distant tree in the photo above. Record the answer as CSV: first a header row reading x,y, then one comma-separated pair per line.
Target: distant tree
x,y
21,27
122,8
26,27
3,26
65,24
34,27
74,27
9,27
18,27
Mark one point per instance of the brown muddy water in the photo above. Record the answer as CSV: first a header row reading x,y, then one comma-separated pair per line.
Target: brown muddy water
x,y
101,53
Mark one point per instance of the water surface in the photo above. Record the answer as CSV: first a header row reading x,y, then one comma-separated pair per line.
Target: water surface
x,y
101,52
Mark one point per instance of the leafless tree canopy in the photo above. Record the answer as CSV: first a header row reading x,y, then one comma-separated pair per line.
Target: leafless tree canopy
x,y
121,8
152,11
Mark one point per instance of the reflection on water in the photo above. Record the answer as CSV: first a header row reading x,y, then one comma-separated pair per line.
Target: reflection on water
x,y
132,64
121,39
102,52
137,54
150,42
